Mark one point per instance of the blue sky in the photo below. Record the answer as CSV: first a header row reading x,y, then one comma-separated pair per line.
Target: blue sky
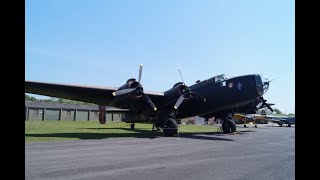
x,y
102,42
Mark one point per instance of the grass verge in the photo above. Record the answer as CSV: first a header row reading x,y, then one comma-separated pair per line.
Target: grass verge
x,y
37,131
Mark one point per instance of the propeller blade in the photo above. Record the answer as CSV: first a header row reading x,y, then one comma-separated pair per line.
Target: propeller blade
x,y
181,76
259,105
123,91
178,103
148,100
269,107
140,73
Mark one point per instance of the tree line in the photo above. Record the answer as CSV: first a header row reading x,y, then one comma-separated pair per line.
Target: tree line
x,y
53,99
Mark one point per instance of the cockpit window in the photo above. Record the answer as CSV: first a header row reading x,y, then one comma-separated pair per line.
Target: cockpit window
x,y
220,78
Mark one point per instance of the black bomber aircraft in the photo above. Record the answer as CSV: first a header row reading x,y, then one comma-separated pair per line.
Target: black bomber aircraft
x,y
217,97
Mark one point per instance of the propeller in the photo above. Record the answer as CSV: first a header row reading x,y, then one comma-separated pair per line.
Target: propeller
x,y
127,91
263,104
137,90
123,91
186,94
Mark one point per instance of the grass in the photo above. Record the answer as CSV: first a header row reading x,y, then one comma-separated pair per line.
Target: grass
x,y
36,131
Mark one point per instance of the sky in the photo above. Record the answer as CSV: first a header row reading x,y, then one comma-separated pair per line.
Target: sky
x,y
102,42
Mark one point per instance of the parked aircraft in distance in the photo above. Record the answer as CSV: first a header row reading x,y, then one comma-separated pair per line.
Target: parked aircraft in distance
x,y
246,118
217,96
252,112
281,120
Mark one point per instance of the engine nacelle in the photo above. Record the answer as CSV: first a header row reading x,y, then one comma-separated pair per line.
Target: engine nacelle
x,y
174,93
130,84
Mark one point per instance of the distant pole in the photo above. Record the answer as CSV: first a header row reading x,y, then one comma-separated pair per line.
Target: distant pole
x,y
43,114
75,115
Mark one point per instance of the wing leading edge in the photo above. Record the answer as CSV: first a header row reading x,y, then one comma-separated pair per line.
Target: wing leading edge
x,y
91,94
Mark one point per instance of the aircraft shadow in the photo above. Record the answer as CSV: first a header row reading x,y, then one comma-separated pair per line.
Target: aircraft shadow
x,y
204,136
137,133
245,131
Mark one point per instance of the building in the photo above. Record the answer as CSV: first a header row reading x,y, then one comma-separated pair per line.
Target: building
x,y
43,111
200,121
48,111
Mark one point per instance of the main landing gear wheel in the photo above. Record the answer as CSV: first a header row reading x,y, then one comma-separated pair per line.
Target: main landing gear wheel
x,y
171,128
228,126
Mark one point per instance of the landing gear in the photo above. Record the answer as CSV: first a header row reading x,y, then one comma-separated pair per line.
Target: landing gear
x,y
132,126
244,125
171,127
280,124
255,126
289,125
228,126
155,127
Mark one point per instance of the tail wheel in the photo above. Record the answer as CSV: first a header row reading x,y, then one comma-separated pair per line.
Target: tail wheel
x,y
171,128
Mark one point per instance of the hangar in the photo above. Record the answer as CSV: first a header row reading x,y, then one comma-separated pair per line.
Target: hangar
x,y
68,112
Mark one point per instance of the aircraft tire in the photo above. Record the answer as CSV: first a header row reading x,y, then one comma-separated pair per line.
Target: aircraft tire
x,y
228,126
171,128
232,125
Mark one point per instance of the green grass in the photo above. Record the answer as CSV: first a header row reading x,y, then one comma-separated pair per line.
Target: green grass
x,y
36,131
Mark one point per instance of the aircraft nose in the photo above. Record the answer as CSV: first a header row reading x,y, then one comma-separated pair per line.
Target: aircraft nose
x,y
262,84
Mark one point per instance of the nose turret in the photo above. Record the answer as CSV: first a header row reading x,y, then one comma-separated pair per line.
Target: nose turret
x,y
262,84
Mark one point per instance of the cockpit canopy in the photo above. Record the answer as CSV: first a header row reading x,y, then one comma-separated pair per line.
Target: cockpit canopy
x,y
220,78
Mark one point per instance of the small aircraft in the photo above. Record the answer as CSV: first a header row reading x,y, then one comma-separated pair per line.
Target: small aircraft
x,y
250,113
249,118
217,96
281,120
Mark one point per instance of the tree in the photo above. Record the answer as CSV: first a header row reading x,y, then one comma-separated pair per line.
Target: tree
x,y
60,100
291,115
26,96
277,111
29,98
53,99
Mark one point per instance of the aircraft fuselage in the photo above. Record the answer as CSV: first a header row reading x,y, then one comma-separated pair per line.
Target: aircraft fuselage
x,y
221,95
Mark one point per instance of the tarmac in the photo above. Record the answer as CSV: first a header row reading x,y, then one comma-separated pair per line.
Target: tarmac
x,y
266,152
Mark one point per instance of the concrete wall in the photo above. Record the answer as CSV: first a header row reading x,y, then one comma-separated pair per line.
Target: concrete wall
x,y
113,117
32,114
116,117
82,115
94,116
54,114
108,117
51,114
65,116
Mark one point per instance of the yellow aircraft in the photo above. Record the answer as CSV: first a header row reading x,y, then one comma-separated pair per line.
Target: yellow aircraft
x,y
249,118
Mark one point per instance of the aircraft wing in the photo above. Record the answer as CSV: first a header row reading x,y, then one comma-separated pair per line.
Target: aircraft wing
x,y
91,94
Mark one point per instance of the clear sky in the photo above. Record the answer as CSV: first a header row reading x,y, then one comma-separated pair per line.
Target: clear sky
x,y
102,42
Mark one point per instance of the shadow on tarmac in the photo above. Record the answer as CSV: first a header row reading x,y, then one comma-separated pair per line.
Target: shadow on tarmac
x,y
137,133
